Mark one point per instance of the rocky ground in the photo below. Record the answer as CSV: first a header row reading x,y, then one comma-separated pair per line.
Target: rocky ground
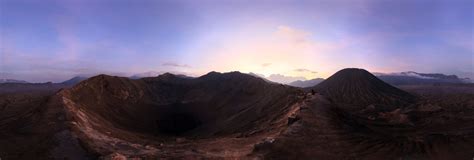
x,y
234,116
327,132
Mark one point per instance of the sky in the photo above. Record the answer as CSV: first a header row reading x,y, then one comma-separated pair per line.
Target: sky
x,y
53,40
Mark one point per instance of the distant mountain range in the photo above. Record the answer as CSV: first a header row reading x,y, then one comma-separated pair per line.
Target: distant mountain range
x,y
74,80
414,78
12,81
156,74
307,83
402,78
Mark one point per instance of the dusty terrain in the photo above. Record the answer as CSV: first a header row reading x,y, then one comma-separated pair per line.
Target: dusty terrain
x,y
351,115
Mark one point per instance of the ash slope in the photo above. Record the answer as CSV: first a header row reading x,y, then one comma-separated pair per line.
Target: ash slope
x,y
359,87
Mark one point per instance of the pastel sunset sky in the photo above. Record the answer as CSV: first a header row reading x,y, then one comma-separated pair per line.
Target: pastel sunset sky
x,y
49,40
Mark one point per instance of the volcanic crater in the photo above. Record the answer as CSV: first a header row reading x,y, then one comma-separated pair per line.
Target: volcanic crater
x,y
170,107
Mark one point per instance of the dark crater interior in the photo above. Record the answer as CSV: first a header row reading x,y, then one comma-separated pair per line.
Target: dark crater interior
x,y
177,119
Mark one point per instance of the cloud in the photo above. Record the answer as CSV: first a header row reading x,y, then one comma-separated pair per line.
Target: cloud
x,y
294,35
172,64
413,74
305,70
266,64
283,78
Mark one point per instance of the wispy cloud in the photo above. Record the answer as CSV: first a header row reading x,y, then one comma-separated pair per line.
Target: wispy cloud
x,y
172,64
305,70
266,64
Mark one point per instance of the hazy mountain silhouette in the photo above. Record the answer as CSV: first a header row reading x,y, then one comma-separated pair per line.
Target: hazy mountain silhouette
x,y
48,87
306,83
12,81
74,80
284,79
155,74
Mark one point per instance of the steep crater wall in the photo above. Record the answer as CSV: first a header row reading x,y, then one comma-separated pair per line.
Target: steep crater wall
x,y
212,105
